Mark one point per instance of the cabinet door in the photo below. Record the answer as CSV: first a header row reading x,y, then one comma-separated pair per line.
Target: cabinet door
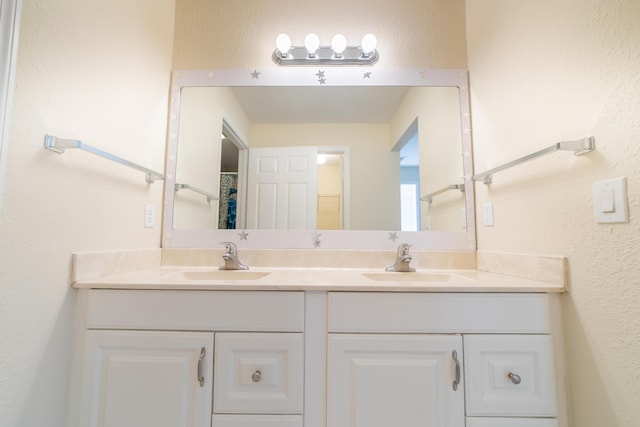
x,y
260,373
135,378
510,375
394,380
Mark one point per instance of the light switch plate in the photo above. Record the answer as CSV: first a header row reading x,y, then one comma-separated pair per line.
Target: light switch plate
x,y
149,215
487,214
610,201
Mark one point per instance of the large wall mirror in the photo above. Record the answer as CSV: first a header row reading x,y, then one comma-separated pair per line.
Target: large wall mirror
x,y
336,158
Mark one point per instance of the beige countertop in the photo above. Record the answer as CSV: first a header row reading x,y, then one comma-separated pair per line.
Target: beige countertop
x,y
316,279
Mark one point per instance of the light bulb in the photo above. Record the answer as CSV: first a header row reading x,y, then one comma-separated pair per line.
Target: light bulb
x,y
322,159
283,44
312,43
369,43
338,44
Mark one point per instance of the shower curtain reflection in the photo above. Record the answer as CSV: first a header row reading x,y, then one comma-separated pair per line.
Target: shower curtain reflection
x,y
228,200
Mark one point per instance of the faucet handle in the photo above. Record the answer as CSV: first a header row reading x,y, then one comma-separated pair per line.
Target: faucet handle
x,y
403,248
229,247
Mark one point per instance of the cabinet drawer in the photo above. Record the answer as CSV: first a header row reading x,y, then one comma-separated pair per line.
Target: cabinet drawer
x,y
455,313
512,422
196,310
223,420
510,375
259,373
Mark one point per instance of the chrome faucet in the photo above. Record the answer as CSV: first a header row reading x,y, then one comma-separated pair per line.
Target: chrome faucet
x,y
230,257
403,259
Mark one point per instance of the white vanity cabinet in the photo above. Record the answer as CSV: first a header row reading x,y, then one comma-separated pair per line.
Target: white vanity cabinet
x,y
188,359
390,360
318,358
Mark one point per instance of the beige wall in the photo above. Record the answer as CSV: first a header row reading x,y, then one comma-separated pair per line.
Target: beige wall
x,y
242,33
543,71
96,71
329,195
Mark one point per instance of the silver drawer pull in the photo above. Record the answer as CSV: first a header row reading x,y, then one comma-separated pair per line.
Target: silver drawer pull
x,y
515,378
456,381
200,367
256,376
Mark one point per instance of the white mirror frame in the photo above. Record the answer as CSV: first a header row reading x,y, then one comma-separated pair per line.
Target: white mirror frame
x,y
321,239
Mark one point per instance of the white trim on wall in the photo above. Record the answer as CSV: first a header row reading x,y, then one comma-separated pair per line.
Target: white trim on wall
x,y
9,23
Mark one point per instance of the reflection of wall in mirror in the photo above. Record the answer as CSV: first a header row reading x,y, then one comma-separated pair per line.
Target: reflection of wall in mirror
x,y
374,168
439,131
202,110
329,196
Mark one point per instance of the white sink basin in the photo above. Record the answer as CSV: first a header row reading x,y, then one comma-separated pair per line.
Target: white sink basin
x,y
219,275
414,277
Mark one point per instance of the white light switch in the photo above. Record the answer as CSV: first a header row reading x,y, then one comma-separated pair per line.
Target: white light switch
x,y
610,201
607,201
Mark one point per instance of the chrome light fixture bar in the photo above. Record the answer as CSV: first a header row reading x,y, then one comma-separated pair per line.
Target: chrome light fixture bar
x,y
336,54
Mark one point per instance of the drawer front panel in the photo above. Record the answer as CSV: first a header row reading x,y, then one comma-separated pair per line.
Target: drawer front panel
x,y
510,375
512,422
258,373
438,312
196,310
223,420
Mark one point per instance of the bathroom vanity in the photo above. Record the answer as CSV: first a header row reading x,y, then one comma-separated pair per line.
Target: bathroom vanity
x,y
314,347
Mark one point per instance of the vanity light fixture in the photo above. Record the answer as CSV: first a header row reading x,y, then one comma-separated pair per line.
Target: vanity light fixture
x,y
336,54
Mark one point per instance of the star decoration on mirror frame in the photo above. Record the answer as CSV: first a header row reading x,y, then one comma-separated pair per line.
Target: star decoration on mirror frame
x,y
315,239
243,235
255,74
211,74
393,236
322,79
367,75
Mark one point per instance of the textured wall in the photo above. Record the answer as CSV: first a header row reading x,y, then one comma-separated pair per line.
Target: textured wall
x,y
97,71
543,71
242,33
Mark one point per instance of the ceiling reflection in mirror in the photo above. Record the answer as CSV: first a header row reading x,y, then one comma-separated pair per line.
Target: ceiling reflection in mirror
x,y
303,157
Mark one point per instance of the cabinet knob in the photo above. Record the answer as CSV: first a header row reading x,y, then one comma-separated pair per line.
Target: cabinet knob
x,y
515,378
256,376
